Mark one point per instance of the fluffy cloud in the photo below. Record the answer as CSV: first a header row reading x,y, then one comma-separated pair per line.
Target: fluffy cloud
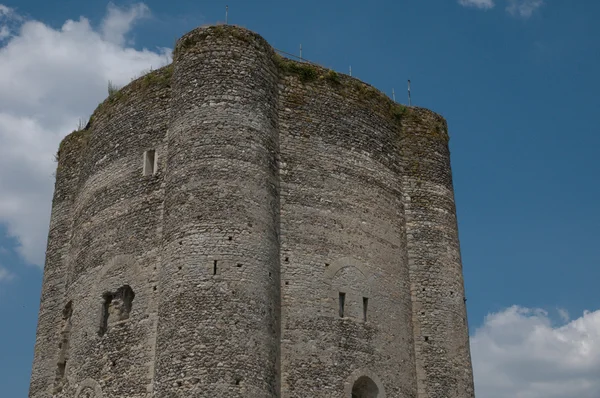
x,y
520,353
482,4
523,8
118,21
49,80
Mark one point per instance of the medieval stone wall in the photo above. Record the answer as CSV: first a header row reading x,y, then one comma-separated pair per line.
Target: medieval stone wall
x,y
113,240
342,232
437,289
241,225
219,300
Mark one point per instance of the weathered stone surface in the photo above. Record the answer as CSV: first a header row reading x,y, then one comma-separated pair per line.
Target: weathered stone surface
x,y
281,189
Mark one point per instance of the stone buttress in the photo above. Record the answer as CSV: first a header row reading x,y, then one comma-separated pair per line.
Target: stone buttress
x,y
439,312
47,375
219,310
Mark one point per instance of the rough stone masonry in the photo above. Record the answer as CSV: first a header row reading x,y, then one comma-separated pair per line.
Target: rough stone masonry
x,y
237,224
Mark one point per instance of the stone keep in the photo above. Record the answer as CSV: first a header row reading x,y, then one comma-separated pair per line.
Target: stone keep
x,y
237,224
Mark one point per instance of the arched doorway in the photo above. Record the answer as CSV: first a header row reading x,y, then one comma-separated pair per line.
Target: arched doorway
x,y
364,387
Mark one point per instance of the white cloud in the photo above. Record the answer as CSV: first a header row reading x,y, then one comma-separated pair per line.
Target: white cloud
x,y
523,8
4,10
119,21
5,275
7,17
519,353
49,79
482,4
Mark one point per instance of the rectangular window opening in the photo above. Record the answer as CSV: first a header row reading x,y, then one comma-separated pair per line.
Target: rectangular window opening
x,y
149,162
215,268
365,306
342,300
108,297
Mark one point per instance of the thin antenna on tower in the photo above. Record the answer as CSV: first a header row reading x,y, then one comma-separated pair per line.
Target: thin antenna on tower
x,y
300,51
226,14
393,95
409,93
350,70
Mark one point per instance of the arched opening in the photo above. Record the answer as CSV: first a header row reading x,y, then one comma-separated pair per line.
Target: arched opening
x,y
364,387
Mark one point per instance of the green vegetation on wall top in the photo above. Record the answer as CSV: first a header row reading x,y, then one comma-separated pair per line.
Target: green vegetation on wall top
x,y
306,72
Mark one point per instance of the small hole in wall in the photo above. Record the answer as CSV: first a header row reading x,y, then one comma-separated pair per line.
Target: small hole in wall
x,y
215,268
426,338
180,242
365,307
423,289
238,381
452,293
231,238
287,283
287,259
178,384
269,274
239,265
154,288
327,264
179,268
149,162
342,300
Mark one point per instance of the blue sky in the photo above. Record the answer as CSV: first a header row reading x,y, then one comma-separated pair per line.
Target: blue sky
x,y
517,81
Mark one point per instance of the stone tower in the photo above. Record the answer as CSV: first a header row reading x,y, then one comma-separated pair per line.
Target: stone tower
x,y
237,224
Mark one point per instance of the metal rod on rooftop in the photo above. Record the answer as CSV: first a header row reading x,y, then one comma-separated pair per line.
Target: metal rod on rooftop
x,y
300,51
393,95
409,104
226,14
350,70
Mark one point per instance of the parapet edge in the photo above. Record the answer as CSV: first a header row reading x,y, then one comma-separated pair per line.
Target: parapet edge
x,y
307,73
77,140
